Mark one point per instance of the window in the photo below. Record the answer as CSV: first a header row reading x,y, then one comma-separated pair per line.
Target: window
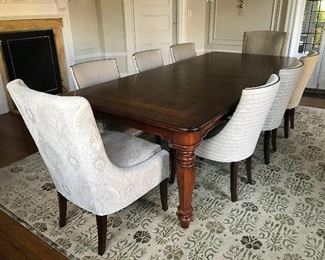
x,y
313,26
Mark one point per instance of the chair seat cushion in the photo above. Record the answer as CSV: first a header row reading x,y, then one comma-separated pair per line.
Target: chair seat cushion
x,y
125,150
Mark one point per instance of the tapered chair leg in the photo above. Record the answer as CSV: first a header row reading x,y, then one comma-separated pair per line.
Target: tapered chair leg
x,y
172,157
101,232
158,139
233,180
292,118
267,147
62,210
163,186
286,123
274,132
249,170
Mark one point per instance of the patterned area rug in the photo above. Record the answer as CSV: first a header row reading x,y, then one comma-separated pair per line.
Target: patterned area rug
x,y
282,216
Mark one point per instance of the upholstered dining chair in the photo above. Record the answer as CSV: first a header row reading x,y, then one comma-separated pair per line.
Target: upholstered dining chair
x,y
94,72
265,43
289,79
148,59
310,62
101,174
183,51
237,140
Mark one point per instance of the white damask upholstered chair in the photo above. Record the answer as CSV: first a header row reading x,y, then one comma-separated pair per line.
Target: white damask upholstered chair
x,y
265,43
289,79
237,140
101,174
183,51
310,62
147,60
95,72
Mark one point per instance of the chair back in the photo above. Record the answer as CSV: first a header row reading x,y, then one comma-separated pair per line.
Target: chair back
x,y
237,140
147,60
309,62
289,79
183,51
95,72
65,132
265,43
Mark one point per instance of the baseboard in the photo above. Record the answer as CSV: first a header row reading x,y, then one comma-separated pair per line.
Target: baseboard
x,y
311,92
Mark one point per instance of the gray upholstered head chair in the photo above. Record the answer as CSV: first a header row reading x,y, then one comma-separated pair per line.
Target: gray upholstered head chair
x,y
265,43
289,80
310,62
94,72
183,51
147,60
99,174
237,140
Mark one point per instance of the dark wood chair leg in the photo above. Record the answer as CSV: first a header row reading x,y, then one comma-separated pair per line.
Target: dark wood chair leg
x,y
292,118
172,158
267,147
62,210
233,180
163,186
286,123
274,132
158,139
249,170
101,232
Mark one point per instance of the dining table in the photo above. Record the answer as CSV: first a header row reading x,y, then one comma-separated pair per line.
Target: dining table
x,y
181,102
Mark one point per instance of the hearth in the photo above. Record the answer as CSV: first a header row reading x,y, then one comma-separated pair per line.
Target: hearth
x,y
32,57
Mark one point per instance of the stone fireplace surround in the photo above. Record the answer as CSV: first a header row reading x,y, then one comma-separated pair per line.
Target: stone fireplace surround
x,y
33,15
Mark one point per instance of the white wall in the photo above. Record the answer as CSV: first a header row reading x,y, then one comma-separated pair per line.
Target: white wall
x,y
38,9
102,34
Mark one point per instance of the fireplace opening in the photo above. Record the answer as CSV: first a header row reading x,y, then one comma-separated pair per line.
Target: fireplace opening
x,y
31,56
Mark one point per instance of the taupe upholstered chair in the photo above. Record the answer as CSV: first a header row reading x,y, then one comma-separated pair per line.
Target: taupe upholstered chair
x,y
265,43
99,173
94,72
310,62
148,59
289,79
183,51
237,140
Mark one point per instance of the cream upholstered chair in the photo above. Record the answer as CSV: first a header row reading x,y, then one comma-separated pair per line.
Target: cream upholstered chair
x,y
310,62
265,43
237,140
94,72
100,175
289,79
183,51
148,59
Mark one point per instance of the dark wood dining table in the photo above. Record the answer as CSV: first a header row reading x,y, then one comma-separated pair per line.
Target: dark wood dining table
x,y
182,102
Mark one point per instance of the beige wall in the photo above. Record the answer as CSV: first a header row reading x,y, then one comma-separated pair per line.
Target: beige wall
x,y
102,34
226,23
196,23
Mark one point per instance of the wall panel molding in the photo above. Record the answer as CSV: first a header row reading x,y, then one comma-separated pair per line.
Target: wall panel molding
x,y
238,23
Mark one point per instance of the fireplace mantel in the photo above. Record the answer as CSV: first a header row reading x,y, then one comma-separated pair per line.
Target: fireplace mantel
x,y
54,24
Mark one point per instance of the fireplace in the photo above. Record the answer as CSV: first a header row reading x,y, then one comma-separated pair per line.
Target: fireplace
x,y
48,30
31,56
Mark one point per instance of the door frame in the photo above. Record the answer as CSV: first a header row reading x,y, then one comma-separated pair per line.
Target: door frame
x,y
129,21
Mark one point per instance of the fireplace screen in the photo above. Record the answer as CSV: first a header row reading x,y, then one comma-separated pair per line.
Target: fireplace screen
x,y
31,56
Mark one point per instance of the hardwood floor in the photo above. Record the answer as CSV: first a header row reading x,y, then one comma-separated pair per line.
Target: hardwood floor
x,y
16,242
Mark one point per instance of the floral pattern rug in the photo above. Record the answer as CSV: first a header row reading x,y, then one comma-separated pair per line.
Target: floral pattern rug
x,y
282,216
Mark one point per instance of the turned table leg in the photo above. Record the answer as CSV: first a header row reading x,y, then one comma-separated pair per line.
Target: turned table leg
x,y
185,180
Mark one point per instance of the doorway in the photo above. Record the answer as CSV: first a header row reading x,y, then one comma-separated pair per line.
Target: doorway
x,y
150,25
